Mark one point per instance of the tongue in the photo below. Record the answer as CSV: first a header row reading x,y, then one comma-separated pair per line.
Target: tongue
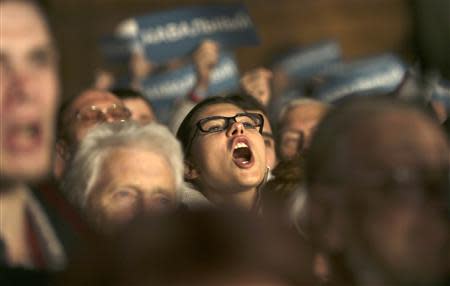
x,y
242,155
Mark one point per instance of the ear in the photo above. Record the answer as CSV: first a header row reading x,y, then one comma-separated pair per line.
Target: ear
x,y
62,150
190,172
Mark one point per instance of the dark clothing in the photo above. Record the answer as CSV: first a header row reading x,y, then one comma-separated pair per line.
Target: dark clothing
x,y
49,249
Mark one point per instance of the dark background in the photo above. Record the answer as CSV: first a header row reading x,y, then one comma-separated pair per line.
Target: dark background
x,y
362,27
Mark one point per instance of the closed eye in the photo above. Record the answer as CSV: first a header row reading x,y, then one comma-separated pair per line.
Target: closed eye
x,y
124,194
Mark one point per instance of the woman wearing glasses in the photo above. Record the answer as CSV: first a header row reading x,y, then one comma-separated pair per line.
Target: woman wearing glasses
x,y
224,152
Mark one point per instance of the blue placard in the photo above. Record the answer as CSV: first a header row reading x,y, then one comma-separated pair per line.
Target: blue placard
x,y
375,75
165,89
176,33
302,63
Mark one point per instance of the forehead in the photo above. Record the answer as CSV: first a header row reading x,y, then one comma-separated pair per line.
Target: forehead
x,y
136,102
94,97
21,26
124,157
403,138
304,114
137,164
220,109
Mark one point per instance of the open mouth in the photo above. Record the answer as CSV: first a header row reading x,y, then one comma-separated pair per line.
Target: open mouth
x,y
242,154
24,136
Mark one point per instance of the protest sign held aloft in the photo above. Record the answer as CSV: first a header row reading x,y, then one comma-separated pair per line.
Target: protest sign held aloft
x,y
176,33
303,62
164,89
374,75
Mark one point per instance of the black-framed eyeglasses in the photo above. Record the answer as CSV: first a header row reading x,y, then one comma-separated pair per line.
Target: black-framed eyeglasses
x,y
91,115
214,124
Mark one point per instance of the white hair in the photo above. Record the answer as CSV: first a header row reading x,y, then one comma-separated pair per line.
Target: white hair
x,y
102,140
299,102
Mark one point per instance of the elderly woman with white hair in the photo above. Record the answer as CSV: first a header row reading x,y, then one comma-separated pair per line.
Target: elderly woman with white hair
x,y
121,170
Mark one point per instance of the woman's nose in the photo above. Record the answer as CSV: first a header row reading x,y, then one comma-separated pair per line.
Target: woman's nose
x,y
236,128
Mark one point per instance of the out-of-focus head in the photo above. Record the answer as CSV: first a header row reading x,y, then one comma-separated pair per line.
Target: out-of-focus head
x,y
140,66
141,109
378,175
296,125
88,109
257,83
121,170
224,148
203,247
250,104
29,91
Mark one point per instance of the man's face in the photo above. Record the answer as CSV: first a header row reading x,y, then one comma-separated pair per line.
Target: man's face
x,y
28,92
140,111
88,110
229,160
298,127
392,210
131,181
409,235
407,228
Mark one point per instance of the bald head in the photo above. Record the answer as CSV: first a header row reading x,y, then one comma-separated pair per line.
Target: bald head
x,y
378,172
373,136
75,114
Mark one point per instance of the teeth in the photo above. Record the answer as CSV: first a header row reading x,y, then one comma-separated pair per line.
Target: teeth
x,y
240,145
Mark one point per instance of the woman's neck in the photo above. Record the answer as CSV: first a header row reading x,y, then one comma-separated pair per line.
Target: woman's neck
x,y
244,199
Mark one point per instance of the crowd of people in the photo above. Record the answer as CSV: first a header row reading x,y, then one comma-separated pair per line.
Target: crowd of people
x,y
243,188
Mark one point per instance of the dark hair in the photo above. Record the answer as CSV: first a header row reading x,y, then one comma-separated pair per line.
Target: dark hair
x,y
128,93
187,127
248,102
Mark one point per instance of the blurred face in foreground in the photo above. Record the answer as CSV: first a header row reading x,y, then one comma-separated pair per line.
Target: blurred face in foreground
x,y
407,222
28,92
130,181
391,214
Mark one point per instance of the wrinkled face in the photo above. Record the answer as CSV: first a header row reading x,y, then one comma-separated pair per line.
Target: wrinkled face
x,y
28,92
298,127
89,108
130,181
228,161
140,111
